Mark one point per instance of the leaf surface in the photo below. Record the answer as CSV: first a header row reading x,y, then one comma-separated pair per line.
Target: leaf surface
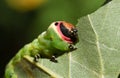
x,y
98,53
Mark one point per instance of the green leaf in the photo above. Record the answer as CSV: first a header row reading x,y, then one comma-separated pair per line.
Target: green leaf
x,y
99,50
98,53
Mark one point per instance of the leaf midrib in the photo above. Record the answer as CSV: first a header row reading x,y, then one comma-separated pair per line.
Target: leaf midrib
x,y
98,48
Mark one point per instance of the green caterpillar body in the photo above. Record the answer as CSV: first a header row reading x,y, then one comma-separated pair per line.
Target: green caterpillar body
x,y
59,38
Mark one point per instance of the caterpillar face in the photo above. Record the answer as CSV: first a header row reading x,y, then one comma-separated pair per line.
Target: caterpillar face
x,y
66,31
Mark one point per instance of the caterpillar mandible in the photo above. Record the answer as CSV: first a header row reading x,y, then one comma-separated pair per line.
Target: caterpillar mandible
x,y
59,38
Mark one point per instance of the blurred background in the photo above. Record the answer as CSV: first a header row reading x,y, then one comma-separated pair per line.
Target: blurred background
x,y
23,20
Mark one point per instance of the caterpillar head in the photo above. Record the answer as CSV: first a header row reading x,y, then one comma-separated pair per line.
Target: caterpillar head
x,y
65,33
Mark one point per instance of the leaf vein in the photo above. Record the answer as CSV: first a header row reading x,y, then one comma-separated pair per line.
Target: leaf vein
x,y
86,68
98,48
69,75
109,48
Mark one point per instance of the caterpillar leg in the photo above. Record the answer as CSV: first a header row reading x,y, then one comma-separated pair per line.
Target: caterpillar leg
x,y
53,59
36,57
72,47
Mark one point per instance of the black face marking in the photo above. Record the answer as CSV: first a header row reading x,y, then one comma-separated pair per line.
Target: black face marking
x,y
56,23
72,34
64,30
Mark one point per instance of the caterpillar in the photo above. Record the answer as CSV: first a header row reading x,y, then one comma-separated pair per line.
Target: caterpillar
x,y
59,38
